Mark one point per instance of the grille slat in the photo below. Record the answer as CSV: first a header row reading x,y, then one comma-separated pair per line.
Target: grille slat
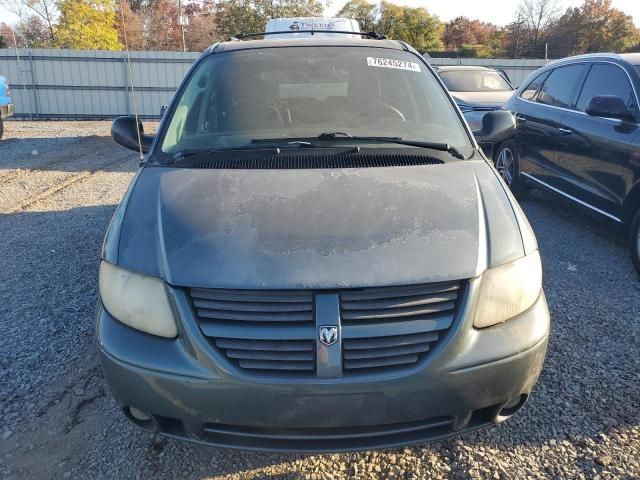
x,y
252,296
397,292
394,341
385,352
255,316
271,365
381,362
399,302
253,306
276,355
394,327
371,314
287,346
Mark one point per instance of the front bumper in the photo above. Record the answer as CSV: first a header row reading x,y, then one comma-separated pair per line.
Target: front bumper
x,y
462,387
6,110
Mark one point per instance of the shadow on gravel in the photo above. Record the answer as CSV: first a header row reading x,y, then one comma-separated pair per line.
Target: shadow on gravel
x,y
64,154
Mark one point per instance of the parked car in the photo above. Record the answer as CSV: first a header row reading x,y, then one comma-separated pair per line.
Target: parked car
x,y
316,256
477,90
6,105
578,135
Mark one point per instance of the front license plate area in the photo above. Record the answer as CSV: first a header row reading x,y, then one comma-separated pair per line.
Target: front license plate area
x,y
331,410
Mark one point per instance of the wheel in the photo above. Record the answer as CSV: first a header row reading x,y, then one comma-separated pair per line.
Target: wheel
x,y
634,241
507,163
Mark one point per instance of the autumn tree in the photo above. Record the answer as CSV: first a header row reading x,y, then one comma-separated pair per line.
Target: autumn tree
x,y
363,12
131,21
202,29
593,27
87,25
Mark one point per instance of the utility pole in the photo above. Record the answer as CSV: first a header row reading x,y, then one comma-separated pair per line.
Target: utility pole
x,y
182,21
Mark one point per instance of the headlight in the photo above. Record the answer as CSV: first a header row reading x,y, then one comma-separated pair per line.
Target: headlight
x,y
136,300
508,290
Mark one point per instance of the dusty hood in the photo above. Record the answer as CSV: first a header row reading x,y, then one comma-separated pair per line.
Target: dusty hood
x,y
317,228
483,98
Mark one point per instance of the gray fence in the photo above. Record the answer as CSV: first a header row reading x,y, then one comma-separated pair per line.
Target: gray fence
x,y
95,84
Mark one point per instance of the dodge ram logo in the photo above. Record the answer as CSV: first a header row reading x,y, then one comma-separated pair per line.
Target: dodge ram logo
x,y
328,335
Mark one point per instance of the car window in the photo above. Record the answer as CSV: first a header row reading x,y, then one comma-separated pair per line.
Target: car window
x,y
234,97
530,91
606,79
474,81
560,86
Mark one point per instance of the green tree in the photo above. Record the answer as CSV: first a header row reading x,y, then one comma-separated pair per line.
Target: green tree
x,y
87,25
414,25
363,12
242,16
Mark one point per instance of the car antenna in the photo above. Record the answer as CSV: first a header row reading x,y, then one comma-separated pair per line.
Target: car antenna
x,y
133,92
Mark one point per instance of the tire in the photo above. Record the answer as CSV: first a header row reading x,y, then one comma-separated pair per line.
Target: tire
x,y
507,162
634,241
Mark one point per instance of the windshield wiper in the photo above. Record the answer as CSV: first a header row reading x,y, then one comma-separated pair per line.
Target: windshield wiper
x,y
190,152
443,147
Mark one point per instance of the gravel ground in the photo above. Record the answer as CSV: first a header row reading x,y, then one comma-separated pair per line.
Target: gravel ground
x,y
59,185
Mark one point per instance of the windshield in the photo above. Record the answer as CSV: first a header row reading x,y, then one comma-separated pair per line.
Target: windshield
x,y
235,97
474,81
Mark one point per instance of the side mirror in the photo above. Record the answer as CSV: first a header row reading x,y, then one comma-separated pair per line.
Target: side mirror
x,y
610,106
125,132
496,127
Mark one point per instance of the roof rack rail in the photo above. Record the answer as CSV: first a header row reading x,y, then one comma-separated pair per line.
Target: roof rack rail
x,y
372,34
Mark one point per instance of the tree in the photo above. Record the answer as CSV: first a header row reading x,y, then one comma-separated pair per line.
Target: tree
x,y
535,17
363,12
87,25
420,29
33,33
133,23
44,10
202,30
162,31
242,16
593,27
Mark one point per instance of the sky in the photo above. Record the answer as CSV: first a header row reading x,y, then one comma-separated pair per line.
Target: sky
x,y
498,12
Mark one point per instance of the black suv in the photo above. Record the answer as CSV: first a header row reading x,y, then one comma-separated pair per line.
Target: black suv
x,y
578,135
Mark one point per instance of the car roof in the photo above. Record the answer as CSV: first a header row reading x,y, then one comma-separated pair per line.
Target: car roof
x,y
632,58
451,68
306,42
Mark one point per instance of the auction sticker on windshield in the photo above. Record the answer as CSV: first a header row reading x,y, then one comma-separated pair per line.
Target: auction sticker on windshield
x,y
392,63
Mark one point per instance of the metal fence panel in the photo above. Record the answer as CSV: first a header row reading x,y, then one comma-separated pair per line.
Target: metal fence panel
x,y
49,83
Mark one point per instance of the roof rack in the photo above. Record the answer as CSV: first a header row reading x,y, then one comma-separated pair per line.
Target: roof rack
x,y
372,34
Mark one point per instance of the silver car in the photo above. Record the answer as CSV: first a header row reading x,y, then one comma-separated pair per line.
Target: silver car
x,y
477,90
316,256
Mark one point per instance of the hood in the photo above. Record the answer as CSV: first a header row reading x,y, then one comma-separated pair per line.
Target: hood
x,y
321,228
483,98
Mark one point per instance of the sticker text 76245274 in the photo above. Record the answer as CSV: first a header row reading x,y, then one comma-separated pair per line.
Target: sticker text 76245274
x,y
392,63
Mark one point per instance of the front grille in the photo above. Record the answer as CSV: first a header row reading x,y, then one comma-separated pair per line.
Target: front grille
x,y
391,328
259,330
274,331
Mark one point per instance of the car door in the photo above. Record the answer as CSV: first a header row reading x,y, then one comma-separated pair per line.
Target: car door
x,y
595,150
539,121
